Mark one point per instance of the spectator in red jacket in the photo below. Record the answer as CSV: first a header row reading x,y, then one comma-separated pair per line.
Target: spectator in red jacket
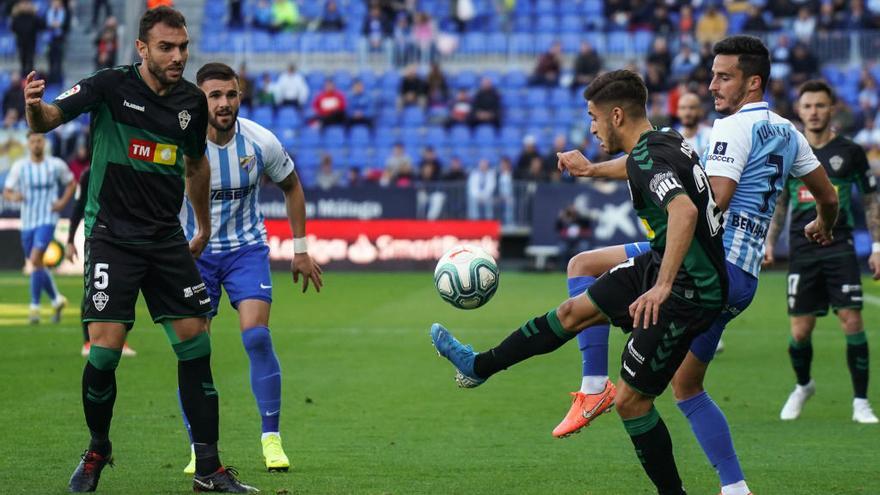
x,y
329,105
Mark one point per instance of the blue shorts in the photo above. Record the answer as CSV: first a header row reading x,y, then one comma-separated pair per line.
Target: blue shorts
x,y
37,238
243,273
741,289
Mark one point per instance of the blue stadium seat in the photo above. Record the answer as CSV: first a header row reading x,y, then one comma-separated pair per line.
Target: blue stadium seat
x,y
359,136
309,137
571,24
536,97
287,137
315,79
466,79
215,10
436,137
523,23
369,79
515,79
413,116
411,137
560,97
642,42
496,43
472,43
485,136
311,42
571,42
388,117
264,116
522,43
243,111
288,117
286,42
617,42
261,42
546,24
548,6
333,137
515,115
343,79
540,116
460,136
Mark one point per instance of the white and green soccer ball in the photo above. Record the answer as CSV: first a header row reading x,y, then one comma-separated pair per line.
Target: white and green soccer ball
x,y
466,277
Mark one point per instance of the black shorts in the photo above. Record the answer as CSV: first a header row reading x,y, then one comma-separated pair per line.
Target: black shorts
x,y
164,271
651,356
833,280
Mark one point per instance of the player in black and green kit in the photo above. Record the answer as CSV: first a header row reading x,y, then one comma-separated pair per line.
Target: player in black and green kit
x,y
148,128
822,276
664,298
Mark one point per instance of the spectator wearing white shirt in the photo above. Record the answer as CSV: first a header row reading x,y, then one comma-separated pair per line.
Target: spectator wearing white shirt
x,y
481,185
290,88
505,190
805,25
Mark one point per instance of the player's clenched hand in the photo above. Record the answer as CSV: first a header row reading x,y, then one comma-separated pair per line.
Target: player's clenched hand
x,y
768,256
874,264
33,89
817,232
576,163
645,311
304,265
70,252
198,244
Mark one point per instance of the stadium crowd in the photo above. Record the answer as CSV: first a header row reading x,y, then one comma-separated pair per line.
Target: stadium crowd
x,y
420,122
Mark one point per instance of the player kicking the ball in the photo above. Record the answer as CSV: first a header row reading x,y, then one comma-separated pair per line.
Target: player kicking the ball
x,y
664,298
237,258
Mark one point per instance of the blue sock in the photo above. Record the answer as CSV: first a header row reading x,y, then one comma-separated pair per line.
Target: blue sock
x,y
593,341
185,419
265,375
36,287
48,284
713,433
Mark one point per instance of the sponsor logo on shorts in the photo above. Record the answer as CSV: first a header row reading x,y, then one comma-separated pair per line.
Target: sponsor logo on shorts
x,y
100,300
847,288
149,151
631,372
195,289
187,292
688,293
634,353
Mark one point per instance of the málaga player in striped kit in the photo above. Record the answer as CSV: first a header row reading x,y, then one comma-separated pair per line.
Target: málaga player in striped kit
x,y
237,258
36,181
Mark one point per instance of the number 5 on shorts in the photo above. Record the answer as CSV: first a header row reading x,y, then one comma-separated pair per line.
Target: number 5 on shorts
x,y
102,275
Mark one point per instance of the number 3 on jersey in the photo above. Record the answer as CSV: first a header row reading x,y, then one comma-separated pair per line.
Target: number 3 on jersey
x,y
102,275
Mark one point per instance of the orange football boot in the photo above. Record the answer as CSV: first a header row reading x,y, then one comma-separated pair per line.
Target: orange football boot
x,y
584,409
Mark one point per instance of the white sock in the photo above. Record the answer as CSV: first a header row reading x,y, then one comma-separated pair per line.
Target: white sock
x,y
738,488
263,437
35,307
593,384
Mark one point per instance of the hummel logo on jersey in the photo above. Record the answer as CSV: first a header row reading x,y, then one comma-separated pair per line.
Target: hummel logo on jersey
x,y
139,108
148,151
631,372
183,117
720,148
100,299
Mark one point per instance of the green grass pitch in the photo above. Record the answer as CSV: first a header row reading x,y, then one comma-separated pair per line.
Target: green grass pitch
x,y
369,408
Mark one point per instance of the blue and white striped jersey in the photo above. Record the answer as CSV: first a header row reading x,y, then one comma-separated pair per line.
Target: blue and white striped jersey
x,y
40,184
758,149
236,170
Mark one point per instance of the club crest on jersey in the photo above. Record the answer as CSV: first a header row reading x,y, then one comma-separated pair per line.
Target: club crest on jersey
x,y
70,92
247,162
720,148
183,117
836,162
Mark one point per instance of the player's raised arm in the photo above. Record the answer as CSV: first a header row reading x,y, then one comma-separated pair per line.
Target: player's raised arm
x,y
41,116
198,187
302,264
580,166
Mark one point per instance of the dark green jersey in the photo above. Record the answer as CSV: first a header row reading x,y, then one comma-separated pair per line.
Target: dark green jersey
x,y
139,139
661,167
847,166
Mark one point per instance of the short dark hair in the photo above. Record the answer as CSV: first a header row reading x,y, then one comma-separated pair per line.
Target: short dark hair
x,y
624,88
753,56
164,15
215,70
816,86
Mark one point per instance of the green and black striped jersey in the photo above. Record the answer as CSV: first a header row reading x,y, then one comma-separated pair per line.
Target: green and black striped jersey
x,y
139,139
847,166
660,167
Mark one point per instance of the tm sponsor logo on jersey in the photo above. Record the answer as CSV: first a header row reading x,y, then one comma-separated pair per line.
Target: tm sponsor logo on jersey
x,y
230,194
149,151
139,108
661,184
757,229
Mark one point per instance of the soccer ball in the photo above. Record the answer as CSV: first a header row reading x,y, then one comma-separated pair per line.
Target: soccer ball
x,y
466,277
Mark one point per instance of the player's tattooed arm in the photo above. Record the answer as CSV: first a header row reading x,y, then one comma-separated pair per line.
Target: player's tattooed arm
x,y
871,203
41,116
777,223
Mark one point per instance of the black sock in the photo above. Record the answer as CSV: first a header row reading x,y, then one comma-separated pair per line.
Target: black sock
x,y
801,354
654,448
539,335
199,399
99,395
857,359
